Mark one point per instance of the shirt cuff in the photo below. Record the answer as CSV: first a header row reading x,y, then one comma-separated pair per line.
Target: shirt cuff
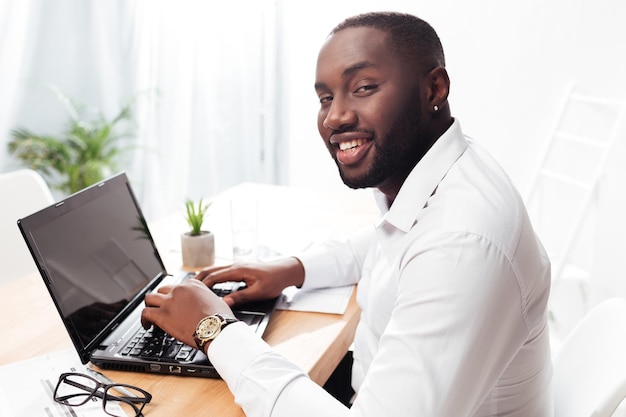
x,y
234,348
317,269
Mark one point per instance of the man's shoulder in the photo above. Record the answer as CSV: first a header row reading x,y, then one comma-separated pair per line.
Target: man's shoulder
x,y
476,196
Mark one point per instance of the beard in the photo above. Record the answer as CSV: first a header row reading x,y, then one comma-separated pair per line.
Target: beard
x,y
395,154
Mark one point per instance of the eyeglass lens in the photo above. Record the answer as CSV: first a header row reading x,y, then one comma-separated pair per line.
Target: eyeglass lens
x,y
113,398
75,390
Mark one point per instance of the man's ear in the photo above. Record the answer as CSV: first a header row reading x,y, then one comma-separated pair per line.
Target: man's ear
x,y
437,88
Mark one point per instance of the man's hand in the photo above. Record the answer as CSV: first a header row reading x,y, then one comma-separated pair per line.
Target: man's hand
x,y
178,309
263,280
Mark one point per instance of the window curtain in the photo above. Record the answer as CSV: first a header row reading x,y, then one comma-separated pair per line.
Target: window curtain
x,y
204,75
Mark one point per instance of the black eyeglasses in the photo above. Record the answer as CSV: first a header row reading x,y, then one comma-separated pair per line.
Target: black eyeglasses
x,y
75,389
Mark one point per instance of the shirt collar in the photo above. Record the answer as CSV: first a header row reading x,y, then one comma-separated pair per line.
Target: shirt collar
x,y
423,180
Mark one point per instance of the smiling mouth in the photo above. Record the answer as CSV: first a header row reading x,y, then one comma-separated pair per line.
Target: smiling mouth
x,y
351,144
350,152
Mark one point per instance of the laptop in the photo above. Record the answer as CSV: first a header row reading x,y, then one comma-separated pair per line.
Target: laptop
x,y
98,260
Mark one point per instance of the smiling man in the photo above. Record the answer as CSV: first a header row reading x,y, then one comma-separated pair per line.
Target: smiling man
x,y
453,282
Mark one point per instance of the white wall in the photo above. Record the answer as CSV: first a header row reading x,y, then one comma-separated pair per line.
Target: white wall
x,y
510,65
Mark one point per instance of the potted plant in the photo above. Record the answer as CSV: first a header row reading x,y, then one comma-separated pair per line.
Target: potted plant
x,y
198,246
87,152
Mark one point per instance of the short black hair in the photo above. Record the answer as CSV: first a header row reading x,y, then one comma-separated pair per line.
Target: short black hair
x,y
410,36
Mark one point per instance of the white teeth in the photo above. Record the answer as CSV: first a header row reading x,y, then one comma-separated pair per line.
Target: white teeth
x,y
351,144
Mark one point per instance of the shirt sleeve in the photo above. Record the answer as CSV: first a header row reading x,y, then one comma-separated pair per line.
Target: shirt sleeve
x,y
336,262
263,382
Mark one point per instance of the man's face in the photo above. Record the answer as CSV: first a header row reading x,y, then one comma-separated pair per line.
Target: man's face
x,y
369,113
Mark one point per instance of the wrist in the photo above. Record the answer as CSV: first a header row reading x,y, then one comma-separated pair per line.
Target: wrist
x,y
294,272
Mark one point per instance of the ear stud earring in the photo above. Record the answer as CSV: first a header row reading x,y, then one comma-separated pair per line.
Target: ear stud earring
x,y
436,108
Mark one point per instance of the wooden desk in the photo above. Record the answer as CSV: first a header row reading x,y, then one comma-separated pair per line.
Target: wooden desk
x,y
314,341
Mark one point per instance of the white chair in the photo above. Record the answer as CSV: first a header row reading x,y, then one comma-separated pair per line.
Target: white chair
x,y
22,192
590,367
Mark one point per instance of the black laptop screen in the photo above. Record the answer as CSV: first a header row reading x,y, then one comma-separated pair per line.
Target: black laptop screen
x,y
97,254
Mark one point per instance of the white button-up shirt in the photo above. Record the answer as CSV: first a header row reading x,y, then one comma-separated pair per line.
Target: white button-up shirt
x,y
453,287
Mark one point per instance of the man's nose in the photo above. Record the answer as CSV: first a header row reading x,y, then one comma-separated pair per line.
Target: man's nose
x,y
339,116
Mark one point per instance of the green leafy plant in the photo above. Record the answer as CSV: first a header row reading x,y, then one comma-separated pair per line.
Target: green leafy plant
x,y
195,215
87,152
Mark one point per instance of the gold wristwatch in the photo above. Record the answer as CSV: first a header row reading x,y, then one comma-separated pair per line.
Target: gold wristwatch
x,y
209,327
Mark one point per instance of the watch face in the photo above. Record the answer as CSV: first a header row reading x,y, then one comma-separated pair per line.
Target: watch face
x,y
209,327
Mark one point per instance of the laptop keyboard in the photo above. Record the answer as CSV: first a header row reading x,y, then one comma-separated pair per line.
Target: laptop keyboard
x,y
155,344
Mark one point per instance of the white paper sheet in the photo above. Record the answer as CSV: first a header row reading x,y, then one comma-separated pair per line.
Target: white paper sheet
x,y
27,387
324,300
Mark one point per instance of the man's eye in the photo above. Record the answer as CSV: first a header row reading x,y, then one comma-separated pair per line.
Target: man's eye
x,y
325,99
366,88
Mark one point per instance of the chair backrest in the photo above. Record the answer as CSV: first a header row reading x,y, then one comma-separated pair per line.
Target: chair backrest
x,y
22,192
590,367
